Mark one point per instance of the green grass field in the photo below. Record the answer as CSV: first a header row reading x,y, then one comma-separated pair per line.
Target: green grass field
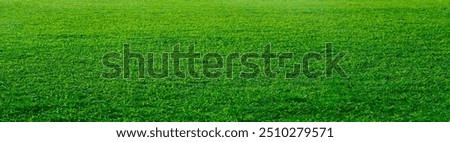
x,y
398,59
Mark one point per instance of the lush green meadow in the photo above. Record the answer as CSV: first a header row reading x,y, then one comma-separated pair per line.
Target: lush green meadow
x,y
397,62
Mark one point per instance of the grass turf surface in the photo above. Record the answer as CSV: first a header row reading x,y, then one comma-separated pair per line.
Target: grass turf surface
x,y
397,62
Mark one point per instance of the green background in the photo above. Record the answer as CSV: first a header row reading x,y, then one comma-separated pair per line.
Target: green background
x,y
398,60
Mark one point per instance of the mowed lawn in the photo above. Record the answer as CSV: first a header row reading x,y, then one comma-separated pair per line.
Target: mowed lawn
x,y
397,62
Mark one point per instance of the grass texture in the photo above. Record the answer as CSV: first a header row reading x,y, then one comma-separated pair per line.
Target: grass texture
x,y
397,62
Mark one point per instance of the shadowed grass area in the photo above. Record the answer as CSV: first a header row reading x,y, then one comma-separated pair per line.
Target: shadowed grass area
x,y
398,60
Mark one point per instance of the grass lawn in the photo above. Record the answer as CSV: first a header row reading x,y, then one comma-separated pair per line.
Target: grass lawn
x,y
397,62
